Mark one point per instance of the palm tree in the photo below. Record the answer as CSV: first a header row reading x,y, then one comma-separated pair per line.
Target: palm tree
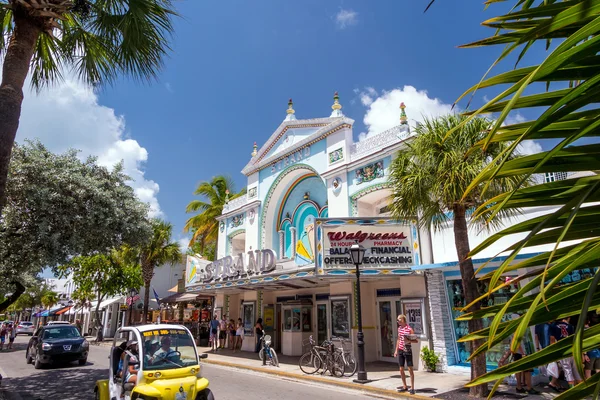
x,y
204,225
563,89
97,39
49,298
159,250
430,178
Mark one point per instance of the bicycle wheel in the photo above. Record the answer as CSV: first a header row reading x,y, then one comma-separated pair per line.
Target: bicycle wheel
x,y
338,366
351,365
274,359
309,363
261,354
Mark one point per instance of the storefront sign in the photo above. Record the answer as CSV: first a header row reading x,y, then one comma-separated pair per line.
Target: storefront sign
x,y
388,244
413,309
259,261
192,270
293,158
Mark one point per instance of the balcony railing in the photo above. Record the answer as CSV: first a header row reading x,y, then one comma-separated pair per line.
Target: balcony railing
x,y
235,204
377,142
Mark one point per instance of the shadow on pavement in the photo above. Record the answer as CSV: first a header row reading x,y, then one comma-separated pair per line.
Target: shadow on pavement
x,y
63,381
16,347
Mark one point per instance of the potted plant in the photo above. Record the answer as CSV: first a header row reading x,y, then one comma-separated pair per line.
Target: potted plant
x,y
430,358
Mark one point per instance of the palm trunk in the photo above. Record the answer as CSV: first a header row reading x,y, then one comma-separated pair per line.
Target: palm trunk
x,y
16,66
99,326
467,273
146,300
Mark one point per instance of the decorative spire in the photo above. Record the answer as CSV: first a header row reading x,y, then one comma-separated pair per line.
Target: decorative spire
x,y
226,196
290,112
403,117
336,107
255,150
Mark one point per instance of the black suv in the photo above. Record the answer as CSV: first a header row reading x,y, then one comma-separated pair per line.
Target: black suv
x,y
56,343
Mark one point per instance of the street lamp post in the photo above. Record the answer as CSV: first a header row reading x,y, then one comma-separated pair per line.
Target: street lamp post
x,y
357,252
132,292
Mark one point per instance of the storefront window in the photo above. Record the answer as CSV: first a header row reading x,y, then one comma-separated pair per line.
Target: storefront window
x,y
294,318
287,319
248,318
461,328
340,317
306,319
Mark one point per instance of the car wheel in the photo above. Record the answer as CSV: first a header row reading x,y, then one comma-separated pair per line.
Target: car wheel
x,y
37,364
27,358
83,362
30,334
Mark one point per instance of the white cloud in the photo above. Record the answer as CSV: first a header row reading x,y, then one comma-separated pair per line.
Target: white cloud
x,y
183,244
384,108
345,18
169,87
515,118
69,115
529,147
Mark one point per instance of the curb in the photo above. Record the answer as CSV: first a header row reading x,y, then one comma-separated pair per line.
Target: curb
x,y
311,378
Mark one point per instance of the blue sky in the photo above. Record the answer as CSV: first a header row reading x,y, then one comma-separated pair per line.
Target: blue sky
x,y
235,64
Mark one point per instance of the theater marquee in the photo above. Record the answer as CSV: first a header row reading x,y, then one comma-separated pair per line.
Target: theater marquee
x,y
389,244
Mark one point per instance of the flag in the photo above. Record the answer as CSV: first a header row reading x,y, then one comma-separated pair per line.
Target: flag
x,y
156,296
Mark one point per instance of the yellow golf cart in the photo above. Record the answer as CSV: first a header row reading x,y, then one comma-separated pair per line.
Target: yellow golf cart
x,y
154,362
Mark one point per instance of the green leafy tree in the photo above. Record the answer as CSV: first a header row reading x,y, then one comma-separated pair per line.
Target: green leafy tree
x,y
159,250
214,195
98,40
49,298
105,276
429,179
59,207
568,121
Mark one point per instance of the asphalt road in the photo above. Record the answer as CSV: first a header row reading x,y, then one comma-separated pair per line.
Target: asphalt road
x,y
72,382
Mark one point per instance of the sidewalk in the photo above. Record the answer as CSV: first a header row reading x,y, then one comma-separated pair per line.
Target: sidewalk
x,y
385,377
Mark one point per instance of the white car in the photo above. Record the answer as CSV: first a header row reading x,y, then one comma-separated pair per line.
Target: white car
x,y
58,323
25,328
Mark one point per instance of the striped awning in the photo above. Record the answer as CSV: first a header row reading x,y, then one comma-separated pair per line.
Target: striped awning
x,y
63,310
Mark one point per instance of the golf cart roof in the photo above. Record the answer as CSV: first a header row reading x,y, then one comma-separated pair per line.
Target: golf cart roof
x,y
153,327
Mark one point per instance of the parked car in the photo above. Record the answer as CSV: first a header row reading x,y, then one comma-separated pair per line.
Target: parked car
x,y
53,343
59,323
25,328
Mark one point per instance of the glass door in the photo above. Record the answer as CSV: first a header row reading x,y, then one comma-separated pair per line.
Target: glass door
x,y
387,310
322,323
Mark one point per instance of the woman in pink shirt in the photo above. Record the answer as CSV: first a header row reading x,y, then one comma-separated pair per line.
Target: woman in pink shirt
x,y
404,353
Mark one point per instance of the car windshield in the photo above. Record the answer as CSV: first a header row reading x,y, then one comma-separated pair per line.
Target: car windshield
x,y
61,332
26,323
168,349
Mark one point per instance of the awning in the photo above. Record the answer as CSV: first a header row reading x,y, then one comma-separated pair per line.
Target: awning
x,y
180,298
106,303
174,289
64,310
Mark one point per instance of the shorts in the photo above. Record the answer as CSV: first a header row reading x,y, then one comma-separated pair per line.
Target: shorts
x,y
232,333
570,370
222,335
2,339
12,339
593,364
517,357
405,357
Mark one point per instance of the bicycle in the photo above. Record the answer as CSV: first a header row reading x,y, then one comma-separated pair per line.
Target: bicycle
x,y
322,357
350,363
272,355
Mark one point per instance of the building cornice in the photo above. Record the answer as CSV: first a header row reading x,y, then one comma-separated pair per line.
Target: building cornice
x,y
241,209
328,127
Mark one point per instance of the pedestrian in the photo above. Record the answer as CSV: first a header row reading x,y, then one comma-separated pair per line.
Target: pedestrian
x,y
222,331
591,358
404,352
559,331
79,327
239,335
258,328
542,335
3,332
214,328
12,334
231,334
523,378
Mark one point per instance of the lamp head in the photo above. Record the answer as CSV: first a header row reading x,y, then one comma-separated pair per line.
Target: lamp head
x,y
357,252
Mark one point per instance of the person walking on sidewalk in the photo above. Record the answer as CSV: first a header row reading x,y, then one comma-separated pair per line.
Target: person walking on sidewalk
x,y
239,335
404,353
214,329
231,334
12,334
222,331
258,328
559,331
